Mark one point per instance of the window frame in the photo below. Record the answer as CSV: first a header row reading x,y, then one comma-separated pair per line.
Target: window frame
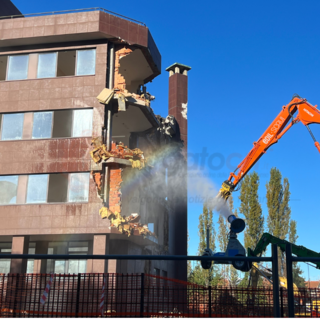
x,y
56,70
95,62
52,123
26,195
8,63
69,180
73,123
77,49
1,126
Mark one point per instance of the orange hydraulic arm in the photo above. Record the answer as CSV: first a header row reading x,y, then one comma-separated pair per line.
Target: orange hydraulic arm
x,y
306,113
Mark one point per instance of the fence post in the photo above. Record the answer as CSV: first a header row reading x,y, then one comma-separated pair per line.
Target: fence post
x,y
290,280
142,296
78,294
15,303
275,280
281,295
209,301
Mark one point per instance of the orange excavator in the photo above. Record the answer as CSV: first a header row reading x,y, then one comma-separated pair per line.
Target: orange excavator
x,y
298,110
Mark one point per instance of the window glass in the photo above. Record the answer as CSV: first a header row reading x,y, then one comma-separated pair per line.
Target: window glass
x,y
77,266
79,187
30,262
82,123
12,126
8,189
18,67
5,263
47,65
86,62
37,188
42,125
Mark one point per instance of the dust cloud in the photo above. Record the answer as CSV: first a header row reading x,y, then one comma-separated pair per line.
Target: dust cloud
x,y
200,187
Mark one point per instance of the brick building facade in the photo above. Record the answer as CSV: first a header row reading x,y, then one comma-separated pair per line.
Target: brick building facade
x,y
52,69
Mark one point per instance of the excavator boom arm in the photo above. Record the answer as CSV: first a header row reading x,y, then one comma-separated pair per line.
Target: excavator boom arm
x,y
307,114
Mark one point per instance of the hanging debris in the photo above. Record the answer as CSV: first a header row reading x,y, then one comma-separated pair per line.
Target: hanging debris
x,y
100,153
126,225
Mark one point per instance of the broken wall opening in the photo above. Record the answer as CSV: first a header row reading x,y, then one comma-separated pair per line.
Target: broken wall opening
x,y
127,122
131,69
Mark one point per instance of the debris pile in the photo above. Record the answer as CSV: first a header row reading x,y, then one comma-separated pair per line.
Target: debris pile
x,y
126,225
118,150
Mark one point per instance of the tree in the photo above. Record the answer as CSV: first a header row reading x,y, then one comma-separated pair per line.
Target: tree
x,y
197,274
279,212
278,197
296,271
250,207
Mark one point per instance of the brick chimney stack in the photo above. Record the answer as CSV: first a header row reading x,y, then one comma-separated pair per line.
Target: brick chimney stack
x,y
178,172
178,98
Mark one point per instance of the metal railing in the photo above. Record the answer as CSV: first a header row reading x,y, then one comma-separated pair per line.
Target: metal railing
x,y
284,302
72,11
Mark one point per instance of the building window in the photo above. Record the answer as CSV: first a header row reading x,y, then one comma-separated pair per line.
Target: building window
x,y
18,67
78,187
86,62
42,125
66,63
3,67
37,188
82,123
5,248
47,65
58,187
30,262
68,266
12,126
46,125
8,189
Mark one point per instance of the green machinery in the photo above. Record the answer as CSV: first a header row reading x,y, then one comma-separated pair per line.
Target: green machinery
x,y
299,251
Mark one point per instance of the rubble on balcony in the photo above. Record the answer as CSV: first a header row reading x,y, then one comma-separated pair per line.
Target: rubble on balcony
x,y
126,225
118,150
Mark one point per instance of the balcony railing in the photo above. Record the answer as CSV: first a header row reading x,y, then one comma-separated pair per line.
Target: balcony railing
x,y
71,11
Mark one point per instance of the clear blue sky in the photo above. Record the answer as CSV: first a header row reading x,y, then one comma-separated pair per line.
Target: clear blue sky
x,y
248,58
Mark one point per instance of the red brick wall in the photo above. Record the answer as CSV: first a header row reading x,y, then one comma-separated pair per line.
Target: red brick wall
x,y
178,95
115,189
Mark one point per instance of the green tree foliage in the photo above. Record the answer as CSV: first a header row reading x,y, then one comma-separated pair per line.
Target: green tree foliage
x,y
279,212
206,219
197,274
278,197
297,272
250,207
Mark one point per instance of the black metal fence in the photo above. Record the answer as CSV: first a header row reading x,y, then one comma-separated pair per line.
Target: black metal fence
x,y
79,295
147,295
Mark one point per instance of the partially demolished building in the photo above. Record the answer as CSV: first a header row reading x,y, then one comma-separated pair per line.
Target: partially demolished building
x,y
85,164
